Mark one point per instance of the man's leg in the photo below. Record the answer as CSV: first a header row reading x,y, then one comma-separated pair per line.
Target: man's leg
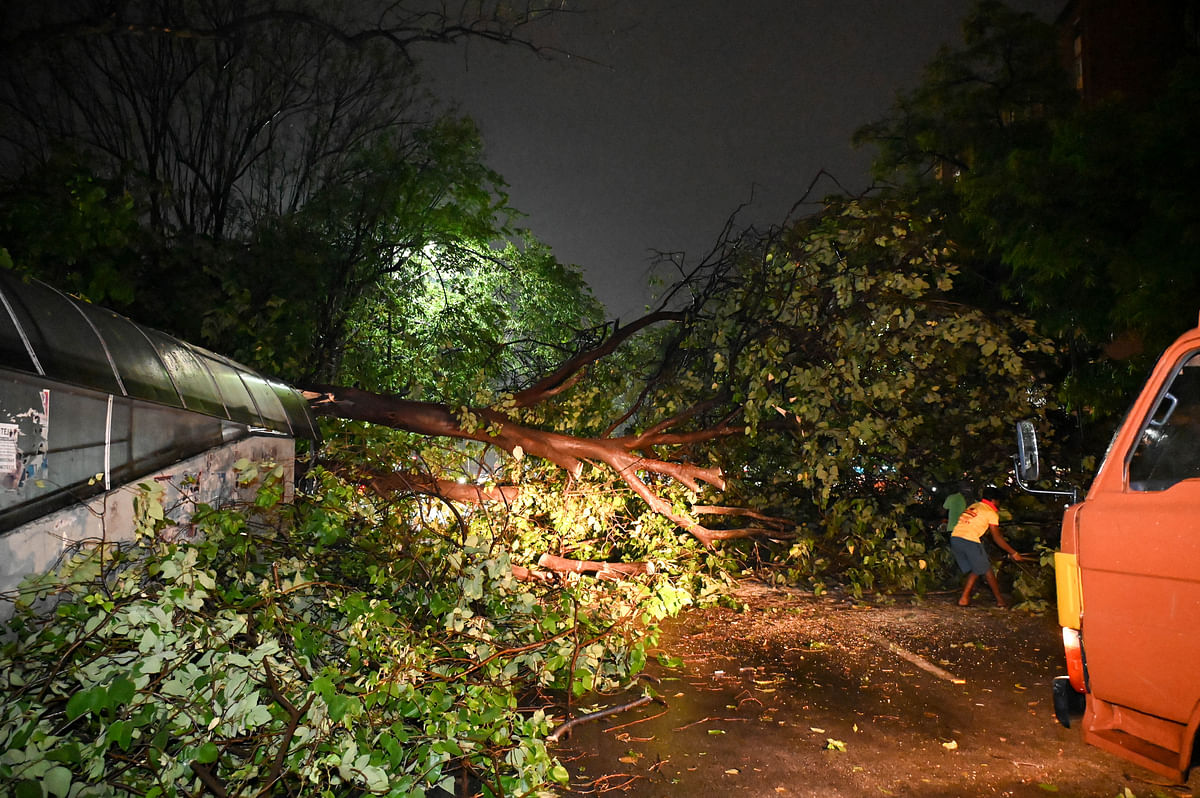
x,y
990,576
972,578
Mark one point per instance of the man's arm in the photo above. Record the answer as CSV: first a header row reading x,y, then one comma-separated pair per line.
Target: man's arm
x,y
1002,543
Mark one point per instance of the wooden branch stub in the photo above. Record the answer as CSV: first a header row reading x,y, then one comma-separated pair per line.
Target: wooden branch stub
x,y
523,574
600,570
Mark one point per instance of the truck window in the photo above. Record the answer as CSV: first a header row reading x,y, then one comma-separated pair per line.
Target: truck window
x,y
1168,450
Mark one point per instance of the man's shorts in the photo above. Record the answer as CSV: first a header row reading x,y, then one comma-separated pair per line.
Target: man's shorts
x,y
970,556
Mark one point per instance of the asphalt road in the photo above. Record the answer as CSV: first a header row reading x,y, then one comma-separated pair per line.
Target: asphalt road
x,y
803,696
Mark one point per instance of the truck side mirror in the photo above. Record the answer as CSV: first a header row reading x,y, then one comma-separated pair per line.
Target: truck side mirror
x,y
1028,466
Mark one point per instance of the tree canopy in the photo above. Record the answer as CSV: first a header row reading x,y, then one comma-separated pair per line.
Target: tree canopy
x,y
281,161
1073,214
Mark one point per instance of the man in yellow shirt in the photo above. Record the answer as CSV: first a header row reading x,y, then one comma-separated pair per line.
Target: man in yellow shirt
x,y
966,544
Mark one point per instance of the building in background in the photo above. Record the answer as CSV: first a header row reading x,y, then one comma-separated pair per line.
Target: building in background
x,y
1125,47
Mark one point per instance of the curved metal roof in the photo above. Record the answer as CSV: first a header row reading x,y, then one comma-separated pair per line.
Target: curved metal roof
x,y
52,335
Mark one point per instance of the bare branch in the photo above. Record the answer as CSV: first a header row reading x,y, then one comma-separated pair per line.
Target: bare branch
x,y
400,28
741,512
569,372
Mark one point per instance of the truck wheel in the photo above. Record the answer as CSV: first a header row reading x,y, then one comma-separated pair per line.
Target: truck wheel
x,y
1067,703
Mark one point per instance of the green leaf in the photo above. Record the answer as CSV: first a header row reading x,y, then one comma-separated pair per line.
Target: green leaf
x,y
67,754
57,781
121,733
208,753
120,691
78,704
28,789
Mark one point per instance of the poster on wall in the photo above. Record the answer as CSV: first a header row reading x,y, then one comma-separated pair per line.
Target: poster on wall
x,y
24,437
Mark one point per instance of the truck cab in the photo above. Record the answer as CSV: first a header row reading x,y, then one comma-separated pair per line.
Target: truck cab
x,y
1128,577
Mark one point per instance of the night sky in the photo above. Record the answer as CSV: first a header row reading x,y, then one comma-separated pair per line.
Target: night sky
x,y
676,112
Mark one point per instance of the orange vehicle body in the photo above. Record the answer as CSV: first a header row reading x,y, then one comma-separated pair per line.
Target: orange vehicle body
x,y
1128,574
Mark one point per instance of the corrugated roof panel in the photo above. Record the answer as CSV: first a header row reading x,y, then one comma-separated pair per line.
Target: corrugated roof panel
x,y
138,363
46,332
301,420
236,398
15,350
193,379
269,407
65,344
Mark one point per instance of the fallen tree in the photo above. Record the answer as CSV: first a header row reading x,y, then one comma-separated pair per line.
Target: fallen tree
x,y
814,385
660,450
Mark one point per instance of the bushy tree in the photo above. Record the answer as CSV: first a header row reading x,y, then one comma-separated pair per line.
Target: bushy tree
x,y
282,159
1074,215
862,382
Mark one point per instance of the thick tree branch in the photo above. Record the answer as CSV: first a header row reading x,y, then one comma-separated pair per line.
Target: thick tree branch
x,y
496,429
705,509
601,570
713,535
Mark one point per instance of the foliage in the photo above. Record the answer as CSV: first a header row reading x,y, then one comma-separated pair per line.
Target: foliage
x,y
862,384
76,231
341,646
1097,223
591,515
282,179
472,319
414,245
1078,215
975,104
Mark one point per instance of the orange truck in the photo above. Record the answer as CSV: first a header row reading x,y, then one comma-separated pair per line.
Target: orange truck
x,y
1128,576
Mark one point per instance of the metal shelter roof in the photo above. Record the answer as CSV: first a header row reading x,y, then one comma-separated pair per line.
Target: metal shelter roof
x,y
47,333
90,401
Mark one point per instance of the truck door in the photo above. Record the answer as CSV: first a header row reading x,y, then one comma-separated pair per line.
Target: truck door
x,y
1139,559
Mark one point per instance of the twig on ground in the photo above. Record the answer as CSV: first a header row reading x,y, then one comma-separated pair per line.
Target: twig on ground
x,y
917,660
639,720
708,719
563,729
630,778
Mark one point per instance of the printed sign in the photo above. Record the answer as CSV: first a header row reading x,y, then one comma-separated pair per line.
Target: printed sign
x,y
9,456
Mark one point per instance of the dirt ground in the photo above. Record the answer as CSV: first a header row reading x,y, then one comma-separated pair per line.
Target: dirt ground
x,y
804,696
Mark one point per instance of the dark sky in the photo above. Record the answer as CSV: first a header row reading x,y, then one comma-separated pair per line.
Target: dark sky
x,y
692,108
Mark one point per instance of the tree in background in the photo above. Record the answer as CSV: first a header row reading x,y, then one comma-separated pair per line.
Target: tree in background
x,y
1078,216
1097,226
283,156
975,104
